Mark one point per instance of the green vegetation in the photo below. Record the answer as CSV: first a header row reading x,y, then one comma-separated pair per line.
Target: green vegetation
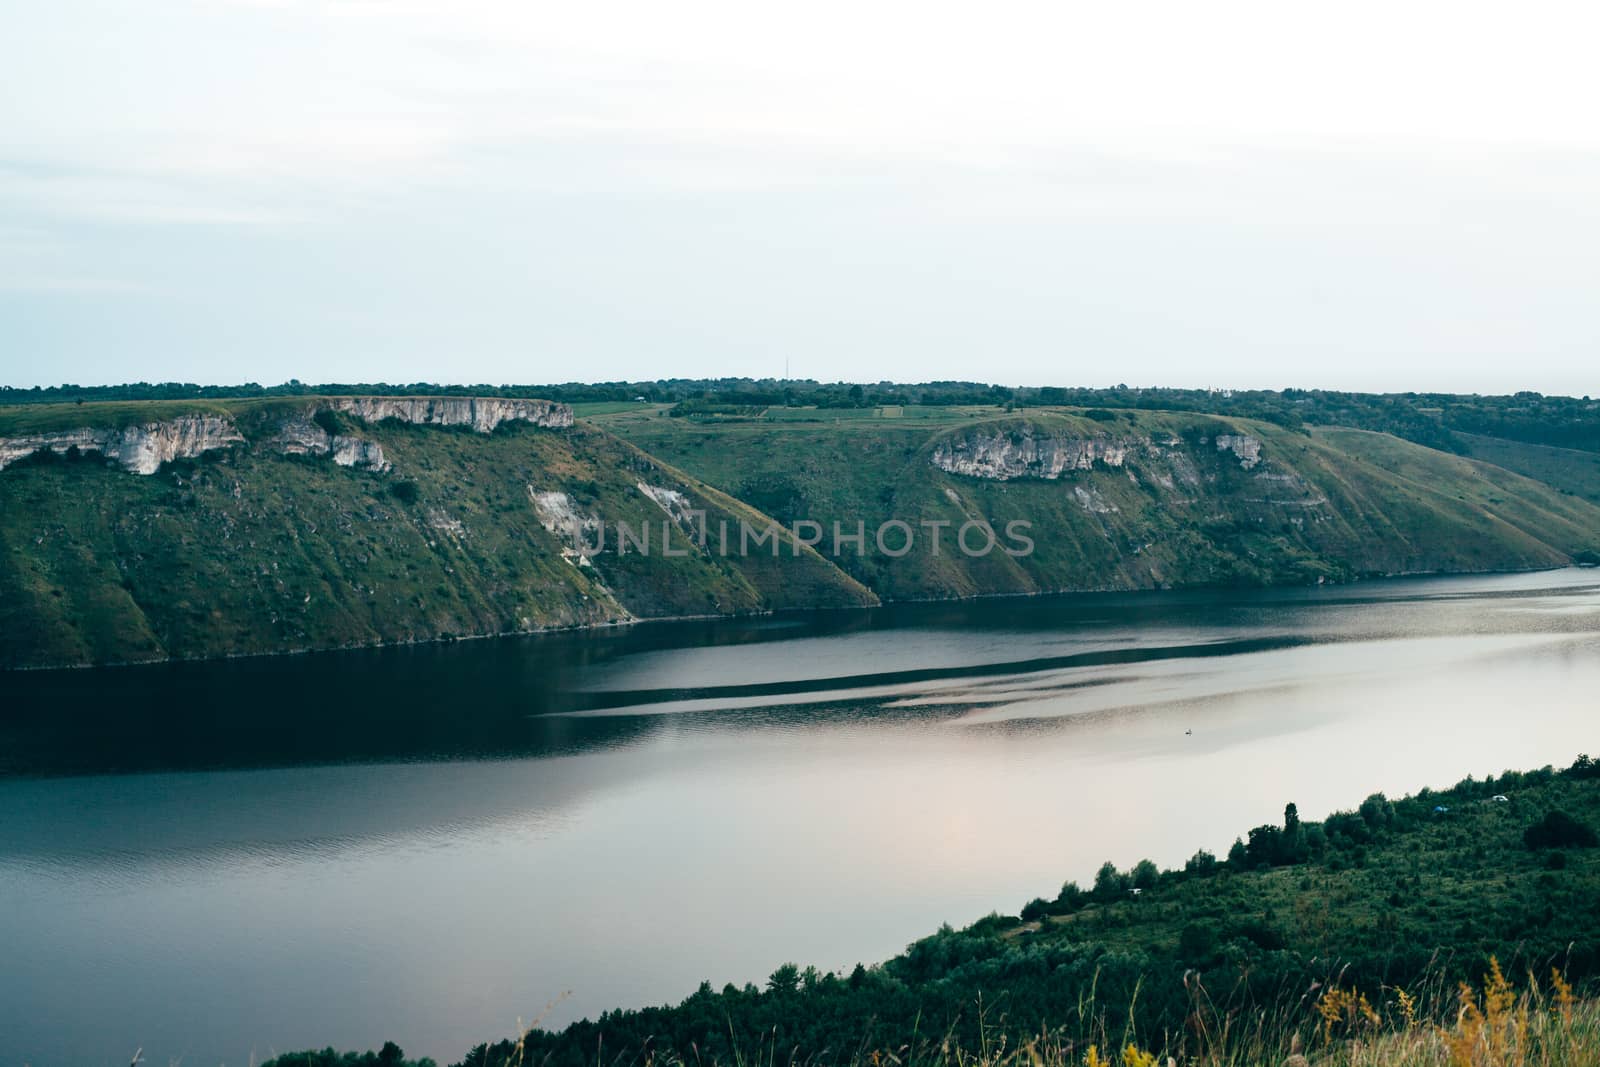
x,y
391,1055
1438,420
1324,505
1568,470
249,551
1346,938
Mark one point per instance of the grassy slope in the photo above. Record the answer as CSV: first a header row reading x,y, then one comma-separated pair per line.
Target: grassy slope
x,y
1404,899
1568,470
1390,506
250,552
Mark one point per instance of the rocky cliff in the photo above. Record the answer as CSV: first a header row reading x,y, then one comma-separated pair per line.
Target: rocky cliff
x,y
141,449
482,414
300,436
1027,451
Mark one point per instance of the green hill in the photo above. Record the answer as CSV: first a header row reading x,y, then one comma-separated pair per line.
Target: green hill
x,y
246,549
139,530
1156,503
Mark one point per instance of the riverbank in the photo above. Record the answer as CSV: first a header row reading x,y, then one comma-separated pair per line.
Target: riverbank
x,y
1448,927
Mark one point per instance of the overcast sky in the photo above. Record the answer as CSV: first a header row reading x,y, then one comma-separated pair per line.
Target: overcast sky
x,y
1376,196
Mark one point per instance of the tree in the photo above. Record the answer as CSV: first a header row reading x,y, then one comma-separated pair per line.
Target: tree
x,y
1201,862
1070,896
1265,847
1145,875
785,979
1377,811
1238,855
1109,882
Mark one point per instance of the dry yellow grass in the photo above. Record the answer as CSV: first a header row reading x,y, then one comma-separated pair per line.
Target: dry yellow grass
x,y
1490,1025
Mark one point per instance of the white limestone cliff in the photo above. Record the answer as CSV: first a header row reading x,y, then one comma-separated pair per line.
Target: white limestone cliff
x,y
1022,453
482,414
140,449
1027,451
300,436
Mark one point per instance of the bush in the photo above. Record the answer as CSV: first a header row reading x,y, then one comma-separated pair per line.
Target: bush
x,y
405,491
1559,830
1197,943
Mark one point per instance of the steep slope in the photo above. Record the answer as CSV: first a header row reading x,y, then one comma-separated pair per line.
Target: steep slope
x,y
1565,469
1140,499
300,526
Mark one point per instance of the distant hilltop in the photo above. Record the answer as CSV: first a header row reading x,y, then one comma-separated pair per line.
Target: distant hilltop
x,y
143,447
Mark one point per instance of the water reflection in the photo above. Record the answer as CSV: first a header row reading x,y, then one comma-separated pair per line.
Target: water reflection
x,y
426,843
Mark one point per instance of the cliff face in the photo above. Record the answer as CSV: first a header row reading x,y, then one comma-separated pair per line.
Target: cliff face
x,y
1027,451
483,414
140,449
300,436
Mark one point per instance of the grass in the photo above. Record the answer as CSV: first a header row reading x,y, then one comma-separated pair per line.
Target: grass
x,y
608,407
1566,469
17,419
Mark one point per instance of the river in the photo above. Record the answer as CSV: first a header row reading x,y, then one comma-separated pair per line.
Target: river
x,y
220,861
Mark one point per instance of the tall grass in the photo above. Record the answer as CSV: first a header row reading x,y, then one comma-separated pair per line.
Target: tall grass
x,y
1491,1024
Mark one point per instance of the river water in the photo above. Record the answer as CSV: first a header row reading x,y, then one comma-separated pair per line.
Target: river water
x,y
217,862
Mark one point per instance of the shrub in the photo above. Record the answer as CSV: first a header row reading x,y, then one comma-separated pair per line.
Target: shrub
x,y
1559,830
405,491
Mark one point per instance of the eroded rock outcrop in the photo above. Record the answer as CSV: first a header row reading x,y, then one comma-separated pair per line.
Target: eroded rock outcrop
x,y
141,449
299,435
1023,453
1033,452
482,414
1243,446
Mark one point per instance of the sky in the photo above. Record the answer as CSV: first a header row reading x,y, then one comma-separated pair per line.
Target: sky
x,y
1253,195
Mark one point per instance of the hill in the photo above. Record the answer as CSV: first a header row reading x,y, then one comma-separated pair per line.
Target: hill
x,y
274,526
1129,499
143,530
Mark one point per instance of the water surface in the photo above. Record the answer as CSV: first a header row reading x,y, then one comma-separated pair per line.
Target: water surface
x,y
221,861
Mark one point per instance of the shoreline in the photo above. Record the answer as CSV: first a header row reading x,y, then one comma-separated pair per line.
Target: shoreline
x,y
601,627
